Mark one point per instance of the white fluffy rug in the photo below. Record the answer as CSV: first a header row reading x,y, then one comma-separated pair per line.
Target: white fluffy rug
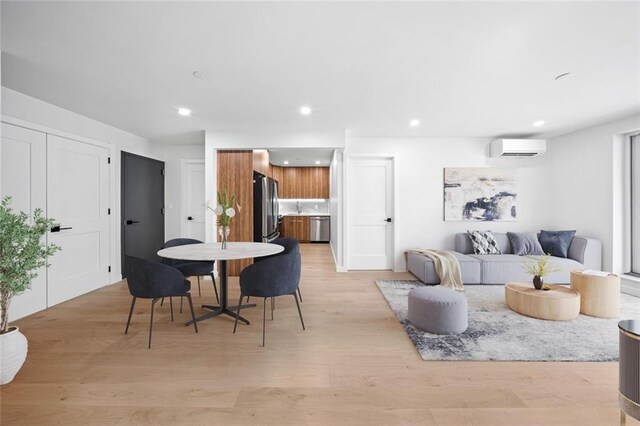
x,y
496,333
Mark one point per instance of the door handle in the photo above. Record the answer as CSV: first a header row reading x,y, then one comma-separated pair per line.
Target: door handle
x,y
388,219
190,218
57,228
131,222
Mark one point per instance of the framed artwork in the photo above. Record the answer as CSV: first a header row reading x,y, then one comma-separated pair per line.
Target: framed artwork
x,y
480,194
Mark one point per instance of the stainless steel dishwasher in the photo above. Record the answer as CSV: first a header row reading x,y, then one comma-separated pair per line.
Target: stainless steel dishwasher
x,y
320,231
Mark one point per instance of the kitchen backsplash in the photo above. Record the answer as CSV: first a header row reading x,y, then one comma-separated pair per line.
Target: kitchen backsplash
x,y
291,206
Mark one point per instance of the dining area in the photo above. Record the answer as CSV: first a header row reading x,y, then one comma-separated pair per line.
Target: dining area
x,y
275,272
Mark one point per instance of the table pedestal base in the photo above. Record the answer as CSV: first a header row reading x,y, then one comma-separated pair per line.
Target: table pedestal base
x,y
217,310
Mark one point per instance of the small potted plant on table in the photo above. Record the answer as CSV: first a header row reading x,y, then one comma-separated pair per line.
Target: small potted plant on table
x,y
539,268
22,253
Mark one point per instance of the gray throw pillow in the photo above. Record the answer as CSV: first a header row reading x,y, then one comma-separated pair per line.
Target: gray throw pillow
x,y
484,242
525,244
556,243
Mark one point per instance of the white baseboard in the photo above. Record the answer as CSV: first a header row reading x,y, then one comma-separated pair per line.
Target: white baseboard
x,y
630,285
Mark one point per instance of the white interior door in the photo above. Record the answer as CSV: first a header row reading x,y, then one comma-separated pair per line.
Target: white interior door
x,y
193,209
78,199
23,165
370,205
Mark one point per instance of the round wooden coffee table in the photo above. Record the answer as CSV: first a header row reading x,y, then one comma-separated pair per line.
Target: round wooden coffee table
x,y
557,304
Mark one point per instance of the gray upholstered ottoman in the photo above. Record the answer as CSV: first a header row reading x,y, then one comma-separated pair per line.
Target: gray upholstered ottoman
x,y
438,310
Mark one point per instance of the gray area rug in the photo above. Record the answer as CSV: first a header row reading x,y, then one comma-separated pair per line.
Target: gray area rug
x,y
496,333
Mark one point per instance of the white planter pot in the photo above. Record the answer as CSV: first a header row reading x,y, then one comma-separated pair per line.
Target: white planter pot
x,y
13,348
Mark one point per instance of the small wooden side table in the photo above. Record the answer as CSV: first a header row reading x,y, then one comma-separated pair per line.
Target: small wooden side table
x,y
599,296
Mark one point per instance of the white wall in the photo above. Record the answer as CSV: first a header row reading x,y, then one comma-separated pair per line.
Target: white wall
x,y
335,207
174,154
588,192
419,164
61,121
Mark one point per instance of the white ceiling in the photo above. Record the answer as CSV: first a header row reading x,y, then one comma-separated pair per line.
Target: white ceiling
x,y
301,157
464,69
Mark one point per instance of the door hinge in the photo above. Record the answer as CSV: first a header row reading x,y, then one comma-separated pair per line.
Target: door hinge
x,y
108,160
109,268
162,210
162,172
108,211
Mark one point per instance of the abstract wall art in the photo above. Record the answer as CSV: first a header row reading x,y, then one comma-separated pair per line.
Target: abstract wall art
x,y
480,194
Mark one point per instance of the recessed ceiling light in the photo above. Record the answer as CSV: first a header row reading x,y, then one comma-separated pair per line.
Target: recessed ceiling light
x,y
185,112
414,123
317,161
285,162
538,123
198,75
305,110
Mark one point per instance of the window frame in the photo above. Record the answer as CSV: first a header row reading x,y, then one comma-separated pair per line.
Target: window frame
x,y
634,149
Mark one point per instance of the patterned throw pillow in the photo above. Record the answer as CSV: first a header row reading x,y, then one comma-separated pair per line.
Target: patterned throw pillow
x,y
484,242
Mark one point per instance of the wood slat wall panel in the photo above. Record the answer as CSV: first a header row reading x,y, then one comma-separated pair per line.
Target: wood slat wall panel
x,y
261,162
235,174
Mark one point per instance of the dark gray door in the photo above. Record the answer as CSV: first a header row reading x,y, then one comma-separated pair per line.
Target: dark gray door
x,y
142,207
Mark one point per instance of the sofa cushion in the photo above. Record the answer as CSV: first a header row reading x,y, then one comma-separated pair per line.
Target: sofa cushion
x,y
463,243
423,268
525,243
483,242
556,243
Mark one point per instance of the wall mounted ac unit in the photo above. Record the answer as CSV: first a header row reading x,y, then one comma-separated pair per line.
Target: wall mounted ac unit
x,y
518,147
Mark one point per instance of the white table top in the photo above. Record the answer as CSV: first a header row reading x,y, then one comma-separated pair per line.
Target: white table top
x,y
213,251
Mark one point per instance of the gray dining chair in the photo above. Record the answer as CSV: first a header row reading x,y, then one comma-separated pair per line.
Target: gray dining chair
x,y
277,275
191,268
153,280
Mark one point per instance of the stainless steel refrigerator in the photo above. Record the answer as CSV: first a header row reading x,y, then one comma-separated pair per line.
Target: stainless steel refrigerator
x,y
265,208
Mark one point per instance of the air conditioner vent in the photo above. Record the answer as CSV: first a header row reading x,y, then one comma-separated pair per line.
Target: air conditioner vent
x,y
518,147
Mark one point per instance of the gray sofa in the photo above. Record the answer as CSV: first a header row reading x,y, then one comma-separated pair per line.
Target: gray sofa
x,y
584,253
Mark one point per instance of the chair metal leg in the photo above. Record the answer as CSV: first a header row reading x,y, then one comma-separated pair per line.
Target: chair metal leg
x,y
299,294
215,289
153,303
162,301
171,307
181,299
133,303
273,302
199,292
235,325
193,315
264,318
299,311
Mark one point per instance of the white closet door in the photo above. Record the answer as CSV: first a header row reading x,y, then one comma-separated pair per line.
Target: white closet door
x,y
23,176
78,199
193,209
370,213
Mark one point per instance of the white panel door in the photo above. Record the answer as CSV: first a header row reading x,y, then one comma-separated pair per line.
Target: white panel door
x,y
23,167
193,209
78,199
370,205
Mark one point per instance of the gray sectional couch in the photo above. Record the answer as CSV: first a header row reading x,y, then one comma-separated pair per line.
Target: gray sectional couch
x,y
584,253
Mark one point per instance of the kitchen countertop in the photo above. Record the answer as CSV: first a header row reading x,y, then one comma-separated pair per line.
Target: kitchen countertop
x,y
305,214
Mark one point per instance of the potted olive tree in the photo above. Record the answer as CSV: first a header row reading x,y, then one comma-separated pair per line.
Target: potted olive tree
x,y
22,253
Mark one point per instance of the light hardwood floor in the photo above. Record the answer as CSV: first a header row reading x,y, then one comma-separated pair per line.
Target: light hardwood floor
x,y
353,365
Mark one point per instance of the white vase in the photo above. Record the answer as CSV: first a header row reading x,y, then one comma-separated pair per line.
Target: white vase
x,y
13,348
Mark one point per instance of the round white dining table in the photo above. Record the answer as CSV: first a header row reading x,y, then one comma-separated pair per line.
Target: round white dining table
x,y
211,252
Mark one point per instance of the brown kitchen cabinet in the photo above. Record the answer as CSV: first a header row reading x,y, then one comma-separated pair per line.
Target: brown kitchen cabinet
x,y
296,227
304,182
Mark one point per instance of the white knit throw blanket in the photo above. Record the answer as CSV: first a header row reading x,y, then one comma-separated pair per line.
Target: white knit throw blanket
x,y
446,266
